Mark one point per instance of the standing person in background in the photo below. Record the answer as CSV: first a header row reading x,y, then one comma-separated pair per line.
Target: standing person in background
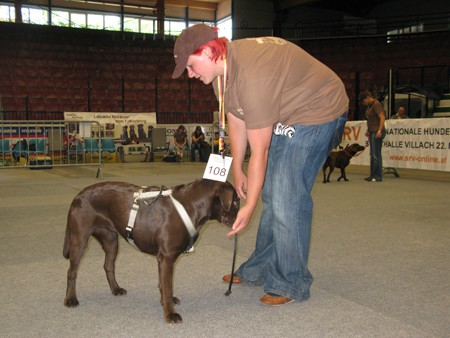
x,y
375,132
124,135
401,114
197,143
291,109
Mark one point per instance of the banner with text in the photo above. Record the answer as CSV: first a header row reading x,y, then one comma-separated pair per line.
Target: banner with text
x,y
116,124
409,143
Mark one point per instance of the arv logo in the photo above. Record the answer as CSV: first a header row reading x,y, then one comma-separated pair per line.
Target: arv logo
x,y
351,133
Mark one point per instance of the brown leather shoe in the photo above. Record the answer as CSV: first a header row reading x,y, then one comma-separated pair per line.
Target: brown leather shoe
x,y
236,279
275,300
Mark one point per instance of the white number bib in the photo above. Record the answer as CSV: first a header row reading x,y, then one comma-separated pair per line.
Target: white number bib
x,y
218,167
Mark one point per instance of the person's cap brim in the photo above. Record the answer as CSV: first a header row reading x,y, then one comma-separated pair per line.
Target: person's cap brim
x,y
179,69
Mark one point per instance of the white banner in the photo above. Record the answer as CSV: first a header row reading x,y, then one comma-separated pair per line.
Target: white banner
x,y
409,143
114,124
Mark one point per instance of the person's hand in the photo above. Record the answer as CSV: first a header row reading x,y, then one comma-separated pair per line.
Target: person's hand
x,y
367,134
240,184
379,134
242,219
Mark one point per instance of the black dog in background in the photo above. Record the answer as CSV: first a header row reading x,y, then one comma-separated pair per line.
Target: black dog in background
x,y
340,159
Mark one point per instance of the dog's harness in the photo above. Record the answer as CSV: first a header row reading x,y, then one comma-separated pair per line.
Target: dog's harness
x,y
141,195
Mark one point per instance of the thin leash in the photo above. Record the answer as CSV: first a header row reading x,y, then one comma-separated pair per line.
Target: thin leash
x,y
222,85
356,155
232,267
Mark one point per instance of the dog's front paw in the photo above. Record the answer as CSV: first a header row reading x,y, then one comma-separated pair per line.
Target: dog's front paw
x,y
119,292
174,318
71,302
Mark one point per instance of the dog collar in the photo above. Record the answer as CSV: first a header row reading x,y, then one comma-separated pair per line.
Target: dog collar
x,y
356,154
347,153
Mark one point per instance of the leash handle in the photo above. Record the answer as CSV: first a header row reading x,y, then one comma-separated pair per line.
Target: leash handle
x,y
232,267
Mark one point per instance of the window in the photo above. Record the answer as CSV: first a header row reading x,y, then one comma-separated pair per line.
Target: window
x,y
35,16
93,19
131,25
78,20
148,26
174,27
60,18
226,28
396,33
5,13
112,22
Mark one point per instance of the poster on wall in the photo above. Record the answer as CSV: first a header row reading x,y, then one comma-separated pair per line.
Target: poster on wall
x,y
409,143
116,125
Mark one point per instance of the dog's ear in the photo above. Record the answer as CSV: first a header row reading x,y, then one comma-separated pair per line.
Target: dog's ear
x,y
226,193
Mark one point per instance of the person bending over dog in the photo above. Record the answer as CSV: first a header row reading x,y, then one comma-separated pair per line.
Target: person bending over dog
x,y
291,109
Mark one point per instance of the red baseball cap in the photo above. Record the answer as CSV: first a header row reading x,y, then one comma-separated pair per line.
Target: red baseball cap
x,y
188,42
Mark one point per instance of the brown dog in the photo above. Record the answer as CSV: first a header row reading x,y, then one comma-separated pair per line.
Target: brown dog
x,y
102,210
340,159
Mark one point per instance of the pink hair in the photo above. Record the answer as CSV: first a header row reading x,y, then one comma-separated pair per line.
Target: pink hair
x,y
218,47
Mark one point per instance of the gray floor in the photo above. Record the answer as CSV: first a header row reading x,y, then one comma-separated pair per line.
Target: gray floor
x,y
380,256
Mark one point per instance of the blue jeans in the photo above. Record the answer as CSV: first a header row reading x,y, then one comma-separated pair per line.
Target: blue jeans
x,y
199,147
279,262
376,159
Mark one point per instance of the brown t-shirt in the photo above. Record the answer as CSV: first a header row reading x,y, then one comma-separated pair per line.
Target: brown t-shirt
x,y
271,80
180,138
372,115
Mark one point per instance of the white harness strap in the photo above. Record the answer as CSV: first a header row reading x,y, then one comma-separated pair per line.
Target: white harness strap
x,y
140,195
184,216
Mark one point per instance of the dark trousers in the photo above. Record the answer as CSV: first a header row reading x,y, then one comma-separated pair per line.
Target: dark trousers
x,y
376,159
199,147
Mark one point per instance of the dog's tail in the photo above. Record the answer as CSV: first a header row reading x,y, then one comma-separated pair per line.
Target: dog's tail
x,y
66,248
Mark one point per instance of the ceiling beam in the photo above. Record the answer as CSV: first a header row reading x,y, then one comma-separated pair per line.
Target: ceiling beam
x,y
192,4
143,4
286,4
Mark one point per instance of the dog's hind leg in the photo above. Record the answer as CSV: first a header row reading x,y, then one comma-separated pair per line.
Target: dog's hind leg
x,y
77,248
165,268
110,244
343,176
329,174
324,170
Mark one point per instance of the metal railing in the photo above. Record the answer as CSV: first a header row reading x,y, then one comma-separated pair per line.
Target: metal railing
x,y
46,144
